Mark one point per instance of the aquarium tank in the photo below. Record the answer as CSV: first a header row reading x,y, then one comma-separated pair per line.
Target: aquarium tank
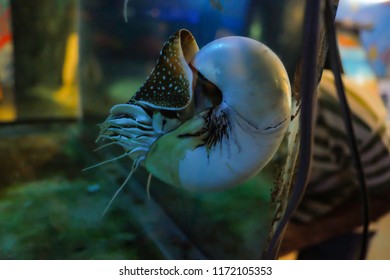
x,y
92,158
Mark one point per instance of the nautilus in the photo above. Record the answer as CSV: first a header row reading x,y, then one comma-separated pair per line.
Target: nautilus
x,y
205,119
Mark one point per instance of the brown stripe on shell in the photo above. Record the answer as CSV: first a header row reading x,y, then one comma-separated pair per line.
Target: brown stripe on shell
x,y
169,86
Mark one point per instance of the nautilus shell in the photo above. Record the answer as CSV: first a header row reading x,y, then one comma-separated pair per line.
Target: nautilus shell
x,y
205,119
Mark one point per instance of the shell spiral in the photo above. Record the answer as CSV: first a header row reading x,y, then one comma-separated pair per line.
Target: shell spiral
x,y
206,119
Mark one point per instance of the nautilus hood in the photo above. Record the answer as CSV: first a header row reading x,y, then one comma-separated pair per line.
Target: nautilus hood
x,y
170,85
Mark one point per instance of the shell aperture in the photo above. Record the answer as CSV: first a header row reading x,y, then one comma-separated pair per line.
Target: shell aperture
x,y
205,119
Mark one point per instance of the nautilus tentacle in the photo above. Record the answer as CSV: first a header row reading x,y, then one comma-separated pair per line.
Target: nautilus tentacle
x,y
206,119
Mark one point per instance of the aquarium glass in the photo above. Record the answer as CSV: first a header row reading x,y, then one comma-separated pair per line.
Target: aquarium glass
x,y
72,62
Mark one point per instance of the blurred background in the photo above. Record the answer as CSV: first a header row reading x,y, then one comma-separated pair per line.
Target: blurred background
x,y
64,63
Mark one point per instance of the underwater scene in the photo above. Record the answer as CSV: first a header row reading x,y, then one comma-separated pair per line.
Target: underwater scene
x,y
156,129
